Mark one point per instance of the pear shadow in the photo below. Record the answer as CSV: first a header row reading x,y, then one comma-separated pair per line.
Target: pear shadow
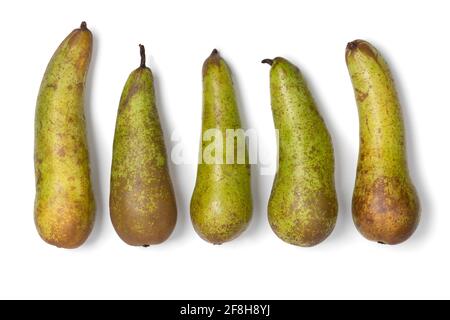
x,y
425,225
176,171
94,155
342,156
258,182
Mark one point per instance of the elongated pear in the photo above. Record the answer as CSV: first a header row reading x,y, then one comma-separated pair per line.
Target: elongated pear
x,y
64,204
385,203
142,201
303,205
221,205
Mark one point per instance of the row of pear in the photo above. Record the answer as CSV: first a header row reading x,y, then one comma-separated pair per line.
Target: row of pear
x,y
303,206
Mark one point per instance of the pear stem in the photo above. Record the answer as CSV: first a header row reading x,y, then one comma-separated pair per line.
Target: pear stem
x,y
142,50
268,61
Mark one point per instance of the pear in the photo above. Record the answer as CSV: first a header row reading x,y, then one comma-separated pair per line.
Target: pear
x,y
385,204
64,204
142,201
303,205
221,205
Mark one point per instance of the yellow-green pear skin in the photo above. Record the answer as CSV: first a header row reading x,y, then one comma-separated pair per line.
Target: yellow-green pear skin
x,y
303,205
385,203
221,205
64,204
142,201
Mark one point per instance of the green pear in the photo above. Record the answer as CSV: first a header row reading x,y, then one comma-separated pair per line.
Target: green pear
x,y
385,203
142,201
221,205
64,205
303,205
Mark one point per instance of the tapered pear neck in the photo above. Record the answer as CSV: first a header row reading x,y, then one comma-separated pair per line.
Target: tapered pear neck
x,y
363,47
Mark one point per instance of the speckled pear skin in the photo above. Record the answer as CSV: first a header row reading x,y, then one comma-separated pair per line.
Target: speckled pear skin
x,y
142,202
303,205
64,204
221,205
385,203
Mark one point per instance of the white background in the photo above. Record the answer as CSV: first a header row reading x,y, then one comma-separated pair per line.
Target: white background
x,y
179,35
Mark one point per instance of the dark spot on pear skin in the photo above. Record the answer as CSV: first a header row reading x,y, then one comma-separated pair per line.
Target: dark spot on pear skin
x,y
361,96
131,93
61,152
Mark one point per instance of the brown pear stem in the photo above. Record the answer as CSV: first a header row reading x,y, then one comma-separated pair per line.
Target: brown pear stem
x,y
142,50
268,61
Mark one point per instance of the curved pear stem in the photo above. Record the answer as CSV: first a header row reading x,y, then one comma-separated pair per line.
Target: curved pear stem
x,y
83,25
142,50
268,61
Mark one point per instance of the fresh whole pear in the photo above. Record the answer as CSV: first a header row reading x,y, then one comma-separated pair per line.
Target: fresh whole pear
x,y
303,205
64,204
221,205
385,203
142,201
